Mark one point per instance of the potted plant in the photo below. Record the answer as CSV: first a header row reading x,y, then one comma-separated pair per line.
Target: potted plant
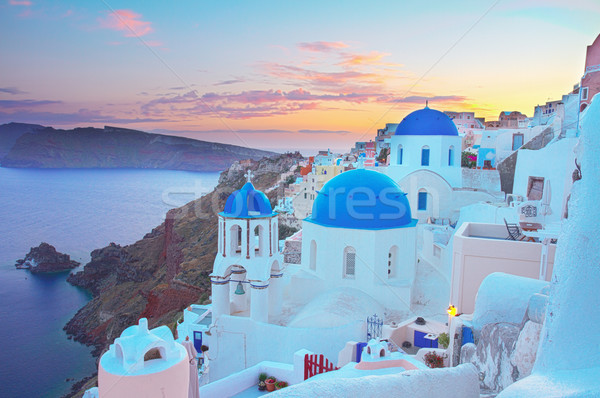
x,y
434,360
270,382
280,384
261,382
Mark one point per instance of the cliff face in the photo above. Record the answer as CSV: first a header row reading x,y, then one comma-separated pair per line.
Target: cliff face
x,y
165,271
10,132
45,147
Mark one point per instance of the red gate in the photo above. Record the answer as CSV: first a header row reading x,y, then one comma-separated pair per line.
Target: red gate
x,y
315,364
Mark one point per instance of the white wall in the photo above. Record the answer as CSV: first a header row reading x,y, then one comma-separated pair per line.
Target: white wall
x,y
475,257
372,248
237,343
555,163
438,156
443,201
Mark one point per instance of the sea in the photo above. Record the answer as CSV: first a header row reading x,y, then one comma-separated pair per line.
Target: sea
x,y
77,211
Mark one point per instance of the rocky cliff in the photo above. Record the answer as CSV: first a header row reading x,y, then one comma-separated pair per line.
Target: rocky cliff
x,y
168,269
10,132
111,147
45,258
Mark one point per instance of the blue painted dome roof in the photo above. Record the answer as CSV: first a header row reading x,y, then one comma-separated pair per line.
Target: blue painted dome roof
x,y
361,199
426,122
247,203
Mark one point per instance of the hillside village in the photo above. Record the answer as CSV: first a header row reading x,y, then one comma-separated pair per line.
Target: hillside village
x,y
451,249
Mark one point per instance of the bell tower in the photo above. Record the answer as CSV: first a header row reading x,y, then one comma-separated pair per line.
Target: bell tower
x,y
246,277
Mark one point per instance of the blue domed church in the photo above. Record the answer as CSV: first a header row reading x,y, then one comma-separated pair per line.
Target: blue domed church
x,y
425,160
361,235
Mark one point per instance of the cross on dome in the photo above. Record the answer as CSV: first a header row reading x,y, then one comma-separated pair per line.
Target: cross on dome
x,y
249,175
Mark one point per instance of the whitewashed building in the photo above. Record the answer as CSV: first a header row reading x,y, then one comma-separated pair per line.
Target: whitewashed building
x,y
361,235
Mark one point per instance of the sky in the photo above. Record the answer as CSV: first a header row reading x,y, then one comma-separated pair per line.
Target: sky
x,y
284,75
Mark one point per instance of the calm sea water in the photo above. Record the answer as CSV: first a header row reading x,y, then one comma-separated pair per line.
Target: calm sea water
x,y
76,211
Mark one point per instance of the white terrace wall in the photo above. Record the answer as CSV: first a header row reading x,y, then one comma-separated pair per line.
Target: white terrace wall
x,y
237,343
475,257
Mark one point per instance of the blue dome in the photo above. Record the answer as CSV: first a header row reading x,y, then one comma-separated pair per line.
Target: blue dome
x,y
247,203
361,199
426,122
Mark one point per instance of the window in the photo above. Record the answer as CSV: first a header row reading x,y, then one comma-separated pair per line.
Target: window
x,y
451,156
235,234
153,353
258,245
535,188
584,93
517,141
425,156
349,262
422,202
400,153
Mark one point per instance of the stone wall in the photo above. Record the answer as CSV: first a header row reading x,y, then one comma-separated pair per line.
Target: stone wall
x,y
506,167
486,180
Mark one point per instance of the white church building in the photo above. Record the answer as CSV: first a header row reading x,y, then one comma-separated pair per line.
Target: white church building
x,y
361,235
425,160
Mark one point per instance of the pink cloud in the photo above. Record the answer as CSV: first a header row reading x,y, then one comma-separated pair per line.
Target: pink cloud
x,y
373,58
264,103
26,3
322,46
128,22
344,81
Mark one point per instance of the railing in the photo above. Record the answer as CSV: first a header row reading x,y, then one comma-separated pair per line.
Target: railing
x,y
374,325
316,364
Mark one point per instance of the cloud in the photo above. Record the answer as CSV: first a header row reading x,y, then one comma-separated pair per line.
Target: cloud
x,y
83,116
373,58
342,132
221,131
11,90
227,82
26,3
421,99
339,81
263,103
25,103
128,22
247,104
322,46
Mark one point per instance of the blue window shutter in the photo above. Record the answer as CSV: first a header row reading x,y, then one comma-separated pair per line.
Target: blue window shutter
x,y
422,202
425,157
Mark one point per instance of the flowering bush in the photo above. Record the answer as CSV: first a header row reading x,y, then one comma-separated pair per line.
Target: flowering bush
x,y
469,160
434,360
281,384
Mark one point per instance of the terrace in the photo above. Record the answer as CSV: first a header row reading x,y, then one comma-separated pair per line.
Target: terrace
x,y
481,249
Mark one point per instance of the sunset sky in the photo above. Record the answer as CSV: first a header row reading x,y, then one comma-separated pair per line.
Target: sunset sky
x,y
284,75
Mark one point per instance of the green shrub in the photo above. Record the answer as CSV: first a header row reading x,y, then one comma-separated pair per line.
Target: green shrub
x,y
443,340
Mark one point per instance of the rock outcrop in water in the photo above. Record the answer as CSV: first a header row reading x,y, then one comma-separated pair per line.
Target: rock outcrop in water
x,y
112,147
168,269
45,258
